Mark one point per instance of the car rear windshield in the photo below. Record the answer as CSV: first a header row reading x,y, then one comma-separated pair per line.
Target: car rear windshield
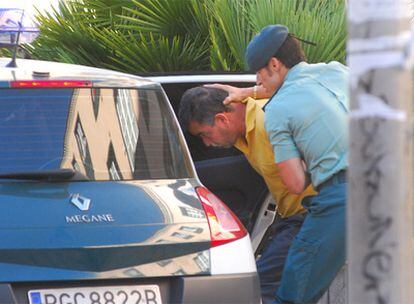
x,y
103,133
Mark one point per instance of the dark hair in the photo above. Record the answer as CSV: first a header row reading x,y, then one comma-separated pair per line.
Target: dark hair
x,y
290,52
201,104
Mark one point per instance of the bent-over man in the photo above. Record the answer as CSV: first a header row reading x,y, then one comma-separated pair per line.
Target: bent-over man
x,y
241,125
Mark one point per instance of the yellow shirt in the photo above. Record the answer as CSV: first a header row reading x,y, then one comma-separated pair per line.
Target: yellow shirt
x,y
259,152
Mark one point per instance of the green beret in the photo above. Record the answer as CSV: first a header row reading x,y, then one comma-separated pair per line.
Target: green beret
x,y
264,45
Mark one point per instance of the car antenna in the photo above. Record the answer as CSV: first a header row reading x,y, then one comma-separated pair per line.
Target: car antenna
x,y
12,23
12,63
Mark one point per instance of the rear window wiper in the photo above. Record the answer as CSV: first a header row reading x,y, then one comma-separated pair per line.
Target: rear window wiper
x,y
56,175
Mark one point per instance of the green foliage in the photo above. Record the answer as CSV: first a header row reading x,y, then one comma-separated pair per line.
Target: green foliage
x,y
68,34
320,21
230,33
140,36
168,18
153,53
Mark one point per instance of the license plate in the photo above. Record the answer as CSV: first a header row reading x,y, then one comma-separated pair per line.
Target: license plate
x,y
141,294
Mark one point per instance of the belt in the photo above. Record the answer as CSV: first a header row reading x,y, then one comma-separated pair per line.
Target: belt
x,y
337,178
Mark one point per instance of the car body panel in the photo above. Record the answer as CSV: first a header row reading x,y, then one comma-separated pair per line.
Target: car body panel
x,y
116,234
240,259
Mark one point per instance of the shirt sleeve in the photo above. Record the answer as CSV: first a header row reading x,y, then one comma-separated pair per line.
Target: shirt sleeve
x,y
280,135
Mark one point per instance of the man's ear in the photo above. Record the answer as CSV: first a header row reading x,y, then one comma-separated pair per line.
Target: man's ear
x,y
221,119
274,64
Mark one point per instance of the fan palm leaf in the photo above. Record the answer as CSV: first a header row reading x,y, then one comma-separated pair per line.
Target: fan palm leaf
x,y
165,35
68,34
319,21
169,18
230,33
152,52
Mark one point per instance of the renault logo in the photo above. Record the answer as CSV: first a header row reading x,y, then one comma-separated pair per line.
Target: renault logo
x,y
81,202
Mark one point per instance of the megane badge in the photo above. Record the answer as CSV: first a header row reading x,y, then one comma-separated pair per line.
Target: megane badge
x,y
81,202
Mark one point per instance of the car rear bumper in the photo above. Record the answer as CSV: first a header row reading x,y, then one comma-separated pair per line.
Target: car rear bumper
x,y
240,288
225,289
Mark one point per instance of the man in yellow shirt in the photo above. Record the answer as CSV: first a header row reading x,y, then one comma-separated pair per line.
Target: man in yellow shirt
x,y
241,125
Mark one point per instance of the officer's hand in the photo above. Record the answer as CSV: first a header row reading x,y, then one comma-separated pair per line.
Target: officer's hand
x,y
235,94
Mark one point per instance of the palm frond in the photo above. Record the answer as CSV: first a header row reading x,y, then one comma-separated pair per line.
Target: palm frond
x,y
168,18
231,33
164,35
319,21
155,53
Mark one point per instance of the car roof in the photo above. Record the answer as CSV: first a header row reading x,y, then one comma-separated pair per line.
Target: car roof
x,y
194,78
28,69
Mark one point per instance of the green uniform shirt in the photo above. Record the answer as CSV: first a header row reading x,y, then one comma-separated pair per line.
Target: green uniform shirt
x,y
308,118
256,147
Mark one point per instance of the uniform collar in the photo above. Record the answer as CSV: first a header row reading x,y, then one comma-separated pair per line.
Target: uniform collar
x,y
294,71
291,74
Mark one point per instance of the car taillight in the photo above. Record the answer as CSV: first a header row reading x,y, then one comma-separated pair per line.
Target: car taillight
x,y
50,84
224,225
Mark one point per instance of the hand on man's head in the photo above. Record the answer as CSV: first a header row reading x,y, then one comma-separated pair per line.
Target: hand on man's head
x,y
238,95
235,94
